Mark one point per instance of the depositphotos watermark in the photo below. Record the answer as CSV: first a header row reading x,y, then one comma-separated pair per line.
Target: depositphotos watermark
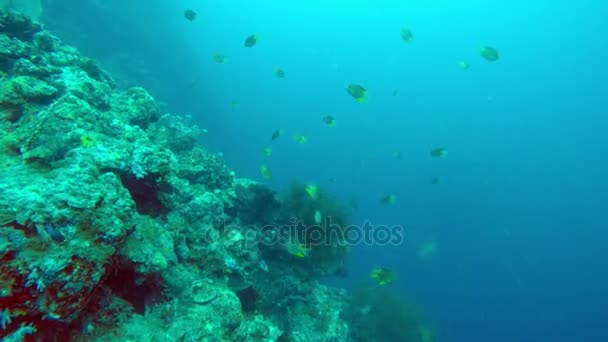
x,y
325,233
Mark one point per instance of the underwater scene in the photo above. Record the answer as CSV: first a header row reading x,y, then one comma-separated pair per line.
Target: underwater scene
x,y
290,171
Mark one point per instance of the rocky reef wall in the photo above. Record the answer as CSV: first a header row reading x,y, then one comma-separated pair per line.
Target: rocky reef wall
x,y
115,225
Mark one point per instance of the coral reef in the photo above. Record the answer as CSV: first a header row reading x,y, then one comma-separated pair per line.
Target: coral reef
x,y
114,225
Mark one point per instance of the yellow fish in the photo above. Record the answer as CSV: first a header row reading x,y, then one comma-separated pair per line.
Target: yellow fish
x,y
312,191
382,275
318,217
300,139
427,250
297,249
265,171
266,152
389,199
439,152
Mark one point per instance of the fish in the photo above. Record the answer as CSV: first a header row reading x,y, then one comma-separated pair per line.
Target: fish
x,y
251,40
279,73
357,92
389,199
276,134
318,216
329,120
397,155
265,171
382,275
297,249
464,65
266,152
234,104
407,35
437,180
220,59
439,152
300,139
312,191
489,53
395,92
190,15
427,250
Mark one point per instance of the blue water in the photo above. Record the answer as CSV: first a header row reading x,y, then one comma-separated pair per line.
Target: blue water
x,y
519,223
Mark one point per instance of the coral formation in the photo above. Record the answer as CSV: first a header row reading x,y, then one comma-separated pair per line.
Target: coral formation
x,y
115,225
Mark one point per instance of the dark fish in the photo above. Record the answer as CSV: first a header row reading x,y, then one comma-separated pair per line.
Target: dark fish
x,y
407,35
190,15
329,120
277,134
439,152
489,53
357,91
437,180
279,73
251,40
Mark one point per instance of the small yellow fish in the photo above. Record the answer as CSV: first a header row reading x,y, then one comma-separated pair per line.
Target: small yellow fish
x,y
265,171
389,199
266,152
318,216
300,139
428,249
87,141
439,152
297,249
397,155
312,191
382,275
464,65
234,104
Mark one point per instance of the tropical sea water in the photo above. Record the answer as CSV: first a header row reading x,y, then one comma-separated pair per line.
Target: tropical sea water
x,y
518,223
